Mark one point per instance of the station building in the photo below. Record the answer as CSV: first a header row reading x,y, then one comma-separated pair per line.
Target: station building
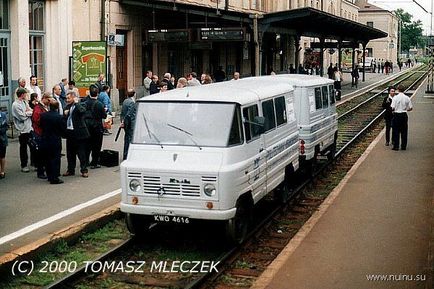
x,y
385,48
252,37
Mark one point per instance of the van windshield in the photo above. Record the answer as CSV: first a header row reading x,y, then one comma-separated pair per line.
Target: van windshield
x,y
184,123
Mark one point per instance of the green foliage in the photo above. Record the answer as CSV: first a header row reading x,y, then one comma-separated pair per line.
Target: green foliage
x,y
411,31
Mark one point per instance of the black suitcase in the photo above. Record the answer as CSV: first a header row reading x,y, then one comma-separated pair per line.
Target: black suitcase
x,y
109,158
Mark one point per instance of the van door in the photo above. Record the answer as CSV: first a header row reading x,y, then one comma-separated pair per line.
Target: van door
x,y
256,153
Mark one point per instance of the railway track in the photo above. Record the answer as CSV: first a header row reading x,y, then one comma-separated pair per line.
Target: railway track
x,y
239,266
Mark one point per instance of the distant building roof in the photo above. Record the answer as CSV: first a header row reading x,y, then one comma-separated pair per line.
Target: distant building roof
x,y
365,6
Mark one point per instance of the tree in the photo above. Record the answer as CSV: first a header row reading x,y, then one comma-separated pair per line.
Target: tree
x,y
411,31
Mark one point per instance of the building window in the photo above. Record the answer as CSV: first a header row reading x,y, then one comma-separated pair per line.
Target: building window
x,y
4,14
370,24
36,40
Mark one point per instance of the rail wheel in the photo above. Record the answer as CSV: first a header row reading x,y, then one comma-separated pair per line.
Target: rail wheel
x,y
283,192
237,228
137,225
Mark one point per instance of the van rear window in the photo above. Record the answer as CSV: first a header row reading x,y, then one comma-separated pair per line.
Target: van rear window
x,y
318,100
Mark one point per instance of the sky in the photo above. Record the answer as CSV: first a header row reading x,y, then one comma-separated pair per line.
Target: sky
x,y
412,8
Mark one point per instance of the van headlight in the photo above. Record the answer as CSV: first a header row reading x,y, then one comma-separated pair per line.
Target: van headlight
x,y
209,190
135,185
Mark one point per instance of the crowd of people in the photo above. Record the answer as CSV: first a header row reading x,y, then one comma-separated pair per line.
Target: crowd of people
x,y
43,119
153,84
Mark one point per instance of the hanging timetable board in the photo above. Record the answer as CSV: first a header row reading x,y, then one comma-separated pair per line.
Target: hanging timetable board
x,y
222,34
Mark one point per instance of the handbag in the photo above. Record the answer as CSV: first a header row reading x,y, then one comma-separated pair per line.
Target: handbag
x,y
33,141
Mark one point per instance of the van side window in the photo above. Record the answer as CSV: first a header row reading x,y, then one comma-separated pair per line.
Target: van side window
x,y
332,94
250,114
325,96
236,134
279,103
270,119
318,100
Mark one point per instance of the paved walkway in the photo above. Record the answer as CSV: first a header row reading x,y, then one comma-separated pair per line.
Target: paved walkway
x,y
380,224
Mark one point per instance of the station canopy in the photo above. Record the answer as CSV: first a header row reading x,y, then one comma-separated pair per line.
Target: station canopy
x,y
299,22
315,23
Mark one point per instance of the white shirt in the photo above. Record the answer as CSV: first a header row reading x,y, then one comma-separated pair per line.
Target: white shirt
x,y
35,89
401,103
56,97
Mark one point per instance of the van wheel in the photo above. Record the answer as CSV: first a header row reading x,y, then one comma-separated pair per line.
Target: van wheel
x,y
236,229
284,191
137,225
332,151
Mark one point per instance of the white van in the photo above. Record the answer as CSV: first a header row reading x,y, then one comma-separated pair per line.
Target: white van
x,y
315,111
210,152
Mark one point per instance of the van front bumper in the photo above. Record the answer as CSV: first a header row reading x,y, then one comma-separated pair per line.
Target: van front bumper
x,y
204,214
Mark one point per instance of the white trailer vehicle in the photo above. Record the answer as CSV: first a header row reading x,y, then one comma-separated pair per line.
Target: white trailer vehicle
x,y
315,111
210,152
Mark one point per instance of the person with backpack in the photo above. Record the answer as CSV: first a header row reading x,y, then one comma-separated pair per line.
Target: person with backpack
x,y
95,115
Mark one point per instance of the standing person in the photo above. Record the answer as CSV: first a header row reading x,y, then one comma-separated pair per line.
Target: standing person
x,y
330,71
166,79
388,115
95,115
100,82
355,76
71,87
401,103
128,118
63,87
182,82
374,65
192,79
202,78
38,110
147,82
104,98
3,143
77,135
34,88
337,84
21,84
154,87
382,66
220,75
53,128
386,66
236,75
57,90
22,114
399,64
208,79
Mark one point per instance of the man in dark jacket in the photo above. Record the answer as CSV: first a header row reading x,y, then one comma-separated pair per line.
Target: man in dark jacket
x,y
77,135
128,117
53,128
388,114
95,114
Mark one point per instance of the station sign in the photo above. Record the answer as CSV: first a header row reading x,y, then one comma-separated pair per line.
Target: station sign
x,y
168,35
222,34
88,60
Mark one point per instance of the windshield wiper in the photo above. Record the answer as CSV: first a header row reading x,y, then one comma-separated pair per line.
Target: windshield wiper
x,y
150,133
187,133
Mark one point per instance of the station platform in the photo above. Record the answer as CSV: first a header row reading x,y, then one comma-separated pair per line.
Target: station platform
x,y
375,230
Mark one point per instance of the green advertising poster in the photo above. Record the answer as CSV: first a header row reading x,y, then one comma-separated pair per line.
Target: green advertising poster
x,y
88,60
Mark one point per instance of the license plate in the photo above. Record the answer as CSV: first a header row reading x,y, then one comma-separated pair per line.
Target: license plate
x,y
171,219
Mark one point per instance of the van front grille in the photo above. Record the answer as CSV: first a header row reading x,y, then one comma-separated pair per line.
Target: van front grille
x,y
154,186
